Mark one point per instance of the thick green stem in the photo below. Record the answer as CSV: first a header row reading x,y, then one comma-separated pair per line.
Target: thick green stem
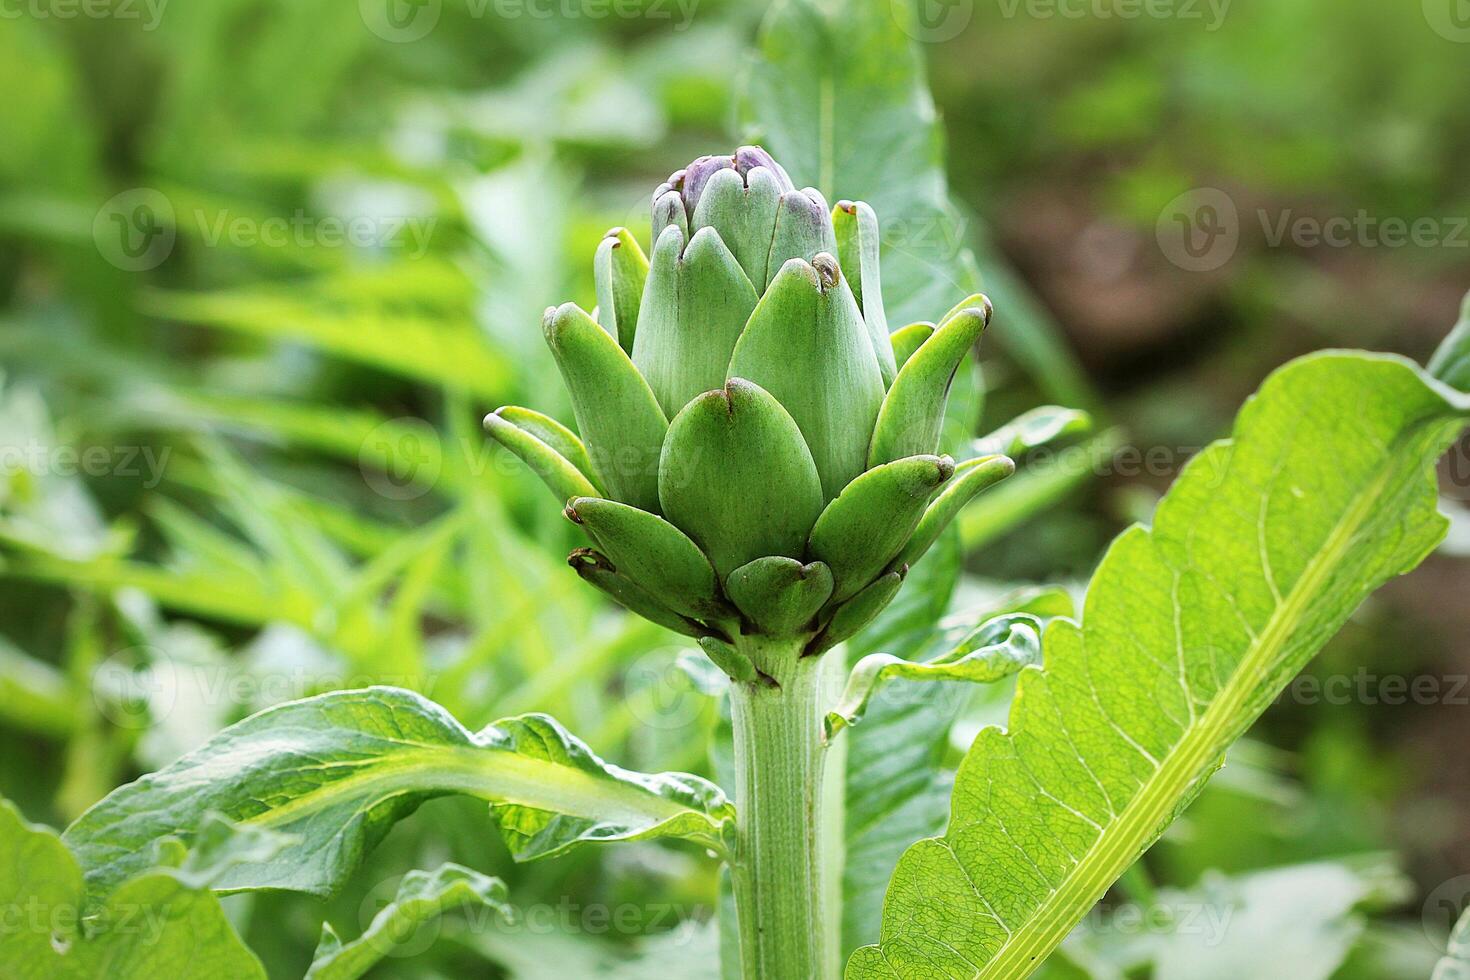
x,y
781,895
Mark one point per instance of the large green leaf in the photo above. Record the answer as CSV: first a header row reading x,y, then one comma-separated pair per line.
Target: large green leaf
x,y
862,126
339,769
162,922
1265,545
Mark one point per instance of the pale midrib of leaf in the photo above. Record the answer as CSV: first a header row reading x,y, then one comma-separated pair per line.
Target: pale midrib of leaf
x,y
1136,825
495,775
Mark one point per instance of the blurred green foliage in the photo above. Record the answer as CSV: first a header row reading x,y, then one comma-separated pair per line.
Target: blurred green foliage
x,y
262,269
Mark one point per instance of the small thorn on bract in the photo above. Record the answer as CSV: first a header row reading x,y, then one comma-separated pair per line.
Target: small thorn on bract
x,y
590,558
987,309
827,270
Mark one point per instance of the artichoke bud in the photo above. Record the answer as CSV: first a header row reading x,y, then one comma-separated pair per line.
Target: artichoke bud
x,y
755,455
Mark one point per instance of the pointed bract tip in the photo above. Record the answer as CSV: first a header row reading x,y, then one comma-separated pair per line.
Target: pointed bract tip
x,y
797,268
987,308
557,317
827,269
589,558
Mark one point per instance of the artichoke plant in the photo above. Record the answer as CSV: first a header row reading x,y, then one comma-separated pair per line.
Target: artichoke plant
x,y
758,466
758,458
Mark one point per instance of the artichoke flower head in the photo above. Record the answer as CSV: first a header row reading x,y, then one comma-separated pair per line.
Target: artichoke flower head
x,y
755,454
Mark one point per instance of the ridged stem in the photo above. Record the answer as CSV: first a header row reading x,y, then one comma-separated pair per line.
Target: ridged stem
x,y
781,895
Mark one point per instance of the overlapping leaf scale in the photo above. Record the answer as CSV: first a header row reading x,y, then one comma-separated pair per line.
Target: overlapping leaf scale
x,y
1264,547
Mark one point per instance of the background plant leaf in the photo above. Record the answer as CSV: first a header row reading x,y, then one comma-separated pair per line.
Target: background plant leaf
x,y
421,896
838,93
159,923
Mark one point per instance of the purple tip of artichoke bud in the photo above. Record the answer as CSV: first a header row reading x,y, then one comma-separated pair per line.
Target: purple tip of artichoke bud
x,y
689,183
697,174
747,158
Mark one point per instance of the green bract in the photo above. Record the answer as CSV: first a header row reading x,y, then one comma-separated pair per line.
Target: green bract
x,y
757,456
